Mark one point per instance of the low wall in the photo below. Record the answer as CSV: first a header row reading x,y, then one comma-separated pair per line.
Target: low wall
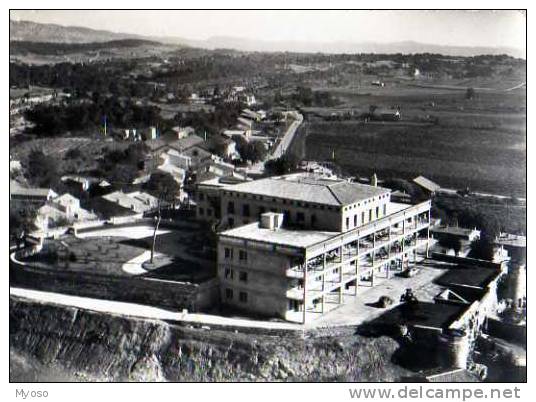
x,y
166,294
466,261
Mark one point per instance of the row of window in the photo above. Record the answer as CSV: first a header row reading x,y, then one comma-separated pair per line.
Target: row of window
x,y
229,254
370,216
246,212
242,296
245,207
229,274
366,202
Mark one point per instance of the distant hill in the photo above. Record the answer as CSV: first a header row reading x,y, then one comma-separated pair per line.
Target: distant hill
x,y
42,48
406,47
35,32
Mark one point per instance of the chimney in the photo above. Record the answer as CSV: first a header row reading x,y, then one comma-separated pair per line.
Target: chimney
x,y
271,220
374,180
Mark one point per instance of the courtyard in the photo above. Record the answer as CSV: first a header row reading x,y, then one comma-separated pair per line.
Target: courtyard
x,y
180,252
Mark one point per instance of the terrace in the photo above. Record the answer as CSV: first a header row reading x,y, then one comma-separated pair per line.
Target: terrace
x,y
122,252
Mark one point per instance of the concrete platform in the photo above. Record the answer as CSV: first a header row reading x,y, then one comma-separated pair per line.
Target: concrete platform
x,y
359,309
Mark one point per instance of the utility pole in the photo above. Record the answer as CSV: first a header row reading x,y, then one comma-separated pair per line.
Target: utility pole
x,y
158,219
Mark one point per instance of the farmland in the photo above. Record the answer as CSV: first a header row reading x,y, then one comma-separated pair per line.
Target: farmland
x,y
457,142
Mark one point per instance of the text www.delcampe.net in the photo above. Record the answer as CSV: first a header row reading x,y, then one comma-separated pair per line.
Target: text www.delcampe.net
x,y
419,392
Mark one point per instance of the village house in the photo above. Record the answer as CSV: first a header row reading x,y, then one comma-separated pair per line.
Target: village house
x,y
64,209
21,198
136,201
429,187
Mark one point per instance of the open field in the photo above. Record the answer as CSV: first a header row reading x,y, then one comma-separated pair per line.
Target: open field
x,y
480,143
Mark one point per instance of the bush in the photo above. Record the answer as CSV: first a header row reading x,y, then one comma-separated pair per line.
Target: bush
x,y
385,301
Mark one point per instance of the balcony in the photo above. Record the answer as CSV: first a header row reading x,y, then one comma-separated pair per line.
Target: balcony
x,y
295,272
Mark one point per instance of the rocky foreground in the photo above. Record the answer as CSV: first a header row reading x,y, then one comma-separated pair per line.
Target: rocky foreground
x,y
54,343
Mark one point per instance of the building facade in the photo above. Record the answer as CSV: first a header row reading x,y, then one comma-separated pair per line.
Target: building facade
x,y
301,269
307,202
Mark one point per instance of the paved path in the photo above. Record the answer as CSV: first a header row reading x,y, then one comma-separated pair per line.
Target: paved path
x,y
355,311
286,140
480,194
131,232
134,266
145,312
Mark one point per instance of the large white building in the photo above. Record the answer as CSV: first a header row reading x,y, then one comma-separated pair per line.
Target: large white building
x,y
297,245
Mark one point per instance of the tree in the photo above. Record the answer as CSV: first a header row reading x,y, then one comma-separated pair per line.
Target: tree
x,y
451,242
163,186
42,169
282,165
470,93
253,151
122,175
482,249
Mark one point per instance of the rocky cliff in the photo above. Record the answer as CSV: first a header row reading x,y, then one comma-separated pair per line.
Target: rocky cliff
x,y
51,343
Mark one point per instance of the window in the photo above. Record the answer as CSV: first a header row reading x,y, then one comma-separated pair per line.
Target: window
x,y
313,220
262,210
377,212
347,222
201,211
209,212
243,276
245,210
370,214
293,305
384,209
243,297
300,216
228,252
201,196
230,207
231,222
355,220
229,273
243,255
229,294
362,217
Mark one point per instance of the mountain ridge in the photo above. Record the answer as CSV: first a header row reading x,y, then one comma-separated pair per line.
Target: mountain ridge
x,y
37,32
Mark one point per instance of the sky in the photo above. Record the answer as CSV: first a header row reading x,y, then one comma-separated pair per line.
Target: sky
x,y
446,27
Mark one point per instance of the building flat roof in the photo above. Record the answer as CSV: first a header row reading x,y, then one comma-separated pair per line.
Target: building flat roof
x,y
454,230
311,189
434,315
468,276
297,238
284,237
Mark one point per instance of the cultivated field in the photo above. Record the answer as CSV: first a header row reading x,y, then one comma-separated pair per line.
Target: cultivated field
x,y
480,143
